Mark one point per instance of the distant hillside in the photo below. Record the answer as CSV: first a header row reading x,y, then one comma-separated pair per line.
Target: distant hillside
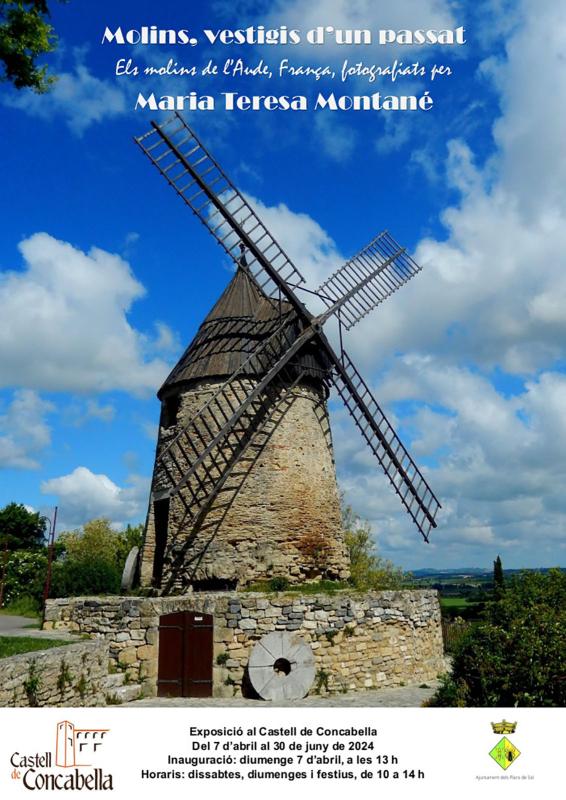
x,y
476,571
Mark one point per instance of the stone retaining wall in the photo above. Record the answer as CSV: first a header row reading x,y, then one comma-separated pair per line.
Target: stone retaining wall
x,y
71,675
360,641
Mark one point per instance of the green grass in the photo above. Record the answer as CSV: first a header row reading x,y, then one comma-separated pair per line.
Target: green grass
x,y
300,588
455,602
14,645
24,607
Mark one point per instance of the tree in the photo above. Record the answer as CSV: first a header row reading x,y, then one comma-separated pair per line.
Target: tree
x,y
97,541
131,537
21,529
498,579
367,569
25,34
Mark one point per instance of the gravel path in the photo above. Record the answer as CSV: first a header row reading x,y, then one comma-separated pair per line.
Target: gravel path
x,y
11,625
401,697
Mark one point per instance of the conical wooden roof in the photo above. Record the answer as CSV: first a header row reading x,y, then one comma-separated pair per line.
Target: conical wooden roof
x,y
241,317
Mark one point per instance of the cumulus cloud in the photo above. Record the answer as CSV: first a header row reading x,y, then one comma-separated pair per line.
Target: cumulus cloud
x,y
493,290
466,357
83,495
347,15
78,96
306,243
24,432
65,325
79,413
496,461
337,139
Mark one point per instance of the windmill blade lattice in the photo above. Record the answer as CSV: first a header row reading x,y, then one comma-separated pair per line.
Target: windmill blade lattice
x,y
402,472
205,449
350,293
379,269
197,178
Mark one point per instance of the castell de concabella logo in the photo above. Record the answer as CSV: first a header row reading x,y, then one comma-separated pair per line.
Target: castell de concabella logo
x,y
71,765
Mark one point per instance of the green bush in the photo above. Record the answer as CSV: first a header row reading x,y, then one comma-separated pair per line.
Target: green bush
x,y
516,655
74,578
25,576
278,584
98,540
91,560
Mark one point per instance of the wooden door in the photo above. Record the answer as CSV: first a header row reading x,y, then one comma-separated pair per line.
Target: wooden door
x,y
185,655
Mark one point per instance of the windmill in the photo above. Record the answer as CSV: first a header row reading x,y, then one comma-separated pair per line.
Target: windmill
x,y
267,354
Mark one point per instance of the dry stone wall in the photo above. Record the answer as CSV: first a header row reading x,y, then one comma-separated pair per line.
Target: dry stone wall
x,y
360,641
72,675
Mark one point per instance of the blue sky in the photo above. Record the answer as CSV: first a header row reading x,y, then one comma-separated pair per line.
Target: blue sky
x,y
104,276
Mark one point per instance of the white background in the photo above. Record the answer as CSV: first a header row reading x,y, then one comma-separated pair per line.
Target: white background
x,y
450,745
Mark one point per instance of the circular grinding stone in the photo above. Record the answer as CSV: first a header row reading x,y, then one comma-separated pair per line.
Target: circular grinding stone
x,y
130,570
281,667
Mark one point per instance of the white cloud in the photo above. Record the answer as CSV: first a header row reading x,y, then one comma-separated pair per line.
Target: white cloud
x,y
166,340
499,464
361,14
24,432
306,243
83,495
96,410
337,139
79,96
493,291
489,306
65,325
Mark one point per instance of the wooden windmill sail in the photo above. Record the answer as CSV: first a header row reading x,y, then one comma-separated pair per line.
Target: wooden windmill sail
x,y
263,348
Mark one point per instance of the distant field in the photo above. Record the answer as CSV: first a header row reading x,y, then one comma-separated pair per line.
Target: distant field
x,y
455,602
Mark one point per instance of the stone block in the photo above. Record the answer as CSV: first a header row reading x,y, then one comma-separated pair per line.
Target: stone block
x,y
127,656
147,652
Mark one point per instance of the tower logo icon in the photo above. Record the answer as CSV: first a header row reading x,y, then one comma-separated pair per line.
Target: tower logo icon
x,y
76,745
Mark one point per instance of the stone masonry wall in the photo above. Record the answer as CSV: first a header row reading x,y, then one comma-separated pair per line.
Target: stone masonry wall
x,y
72,675
277,515
360,641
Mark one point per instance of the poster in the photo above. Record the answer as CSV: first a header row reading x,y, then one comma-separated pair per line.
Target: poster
x,y
302,565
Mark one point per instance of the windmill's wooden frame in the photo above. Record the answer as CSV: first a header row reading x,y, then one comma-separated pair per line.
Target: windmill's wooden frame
x,y
194,466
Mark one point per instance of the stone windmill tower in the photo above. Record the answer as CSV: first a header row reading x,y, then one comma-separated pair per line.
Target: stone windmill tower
x,y
278,514
244,485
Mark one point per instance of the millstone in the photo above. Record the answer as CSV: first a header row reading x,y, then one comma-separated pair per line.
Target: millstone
x,y
130,570
281,667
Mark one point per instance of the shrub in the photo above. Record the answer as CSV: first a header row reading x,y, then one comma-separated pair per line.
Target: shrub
x,y
74,578
25,576
515,656
367,569
278,584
